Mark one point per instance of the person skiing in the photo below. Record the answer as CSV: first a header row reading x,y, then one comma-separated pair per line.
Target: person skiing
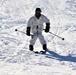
x,y
35,24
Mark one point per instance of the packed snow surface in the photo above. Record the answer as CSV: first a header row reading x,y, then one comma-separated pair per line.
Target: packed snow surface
x,y
15,57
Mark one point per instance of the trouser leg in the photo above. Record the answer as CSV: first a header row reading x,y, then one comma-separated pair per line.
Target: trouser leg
x,y
33,39
43,42
32,42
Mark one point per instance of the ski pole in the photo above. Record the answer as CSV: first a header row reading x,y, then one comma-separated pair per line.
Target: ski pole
x,y
22,32
56,35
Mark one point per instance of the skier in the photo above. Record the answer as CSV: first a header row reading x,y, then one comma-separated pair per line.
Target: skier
x,y
35,24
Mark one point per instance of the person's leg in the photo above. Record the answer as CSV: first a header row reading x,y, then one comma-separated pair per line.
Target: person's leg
x,y
32,42
42,41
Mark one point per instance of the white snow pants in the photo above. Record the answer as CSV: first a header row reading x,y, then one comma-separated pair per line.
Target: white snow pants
x,y
35,36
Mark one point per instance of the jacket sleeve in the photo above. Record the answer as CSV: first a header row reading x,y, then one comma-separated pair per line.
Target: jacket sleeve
x,y
29,26
46,20
29,22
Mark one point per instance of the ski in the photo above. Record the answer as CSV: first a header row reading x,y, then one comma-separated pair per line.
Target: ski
x,y
41,52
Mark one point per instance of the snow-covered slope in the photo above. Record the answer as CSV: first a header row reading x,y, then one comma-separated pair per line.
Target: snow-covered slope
x,y
16,59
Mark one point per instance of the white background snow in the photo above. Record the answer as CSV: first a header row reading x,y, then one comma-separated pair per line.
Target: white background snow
x,y
16,59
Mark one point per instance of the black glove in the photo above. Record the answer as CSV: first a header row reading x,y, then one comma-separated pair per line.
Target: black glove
x,y
28,31
47,27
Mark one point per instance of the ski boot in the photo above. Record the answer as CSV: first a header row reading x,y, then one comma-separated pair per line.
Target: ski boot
x,y
44,49
31,47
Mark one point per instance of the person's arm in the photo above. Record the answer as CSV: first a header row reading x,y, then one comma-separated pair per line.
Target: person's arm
x,y
28,27
46,20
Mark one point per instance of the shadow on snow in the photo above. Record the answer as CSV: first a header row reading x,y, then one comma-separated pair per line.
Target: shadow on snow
x,y
51,55
56,56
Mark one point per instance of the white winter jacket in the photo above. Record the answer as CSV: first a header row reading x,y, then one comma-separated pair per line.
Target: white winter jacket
x,y
37,24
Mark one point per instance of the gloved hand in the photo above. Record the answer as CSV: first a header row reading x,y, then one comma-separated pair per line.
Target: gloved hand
x,y
28,31
47,27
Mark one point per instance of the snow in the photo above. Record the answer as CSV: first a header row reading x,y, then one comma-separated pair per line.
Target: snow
x,y
16,59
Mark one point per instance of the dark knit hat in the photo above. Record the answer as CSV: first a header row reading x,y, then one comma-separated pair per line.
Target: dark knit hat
x,y
38,9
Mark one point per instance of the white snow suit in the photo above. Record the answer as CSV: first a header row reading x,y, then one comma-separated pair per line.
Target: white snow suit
x,y
37,28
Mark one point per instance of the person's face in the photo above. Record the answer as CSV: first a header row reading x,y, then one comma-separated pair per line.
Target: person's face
x,y
38,13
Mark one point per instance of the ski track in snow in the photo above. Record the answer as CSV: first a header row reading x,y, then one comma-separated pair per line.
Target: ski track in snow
x,y
16,59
